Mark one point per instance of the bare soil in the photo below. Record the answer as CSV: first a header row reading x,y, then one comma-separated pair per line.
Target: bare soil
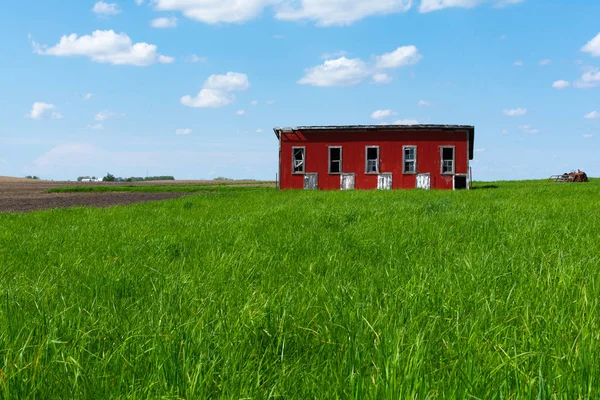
x,y
25,195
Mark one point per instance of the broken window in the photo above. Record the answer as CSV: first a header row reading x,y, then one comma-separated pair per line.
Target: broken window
x,y
299,159
447,160
372,160
410,159
335,160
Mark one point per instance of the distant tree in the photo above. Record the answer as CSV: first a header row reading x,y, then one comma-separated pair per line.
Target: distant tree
x,y
79,179
222,178
108,178
32,177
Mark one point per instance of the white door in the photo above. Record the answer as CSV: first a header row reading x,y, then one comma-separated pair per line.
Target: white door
x,y
311,181
384,182
423,181
347,181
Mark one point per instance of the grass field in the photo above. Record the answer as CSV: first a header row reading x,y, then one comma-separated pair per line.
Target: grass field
x,y
180,188
256,294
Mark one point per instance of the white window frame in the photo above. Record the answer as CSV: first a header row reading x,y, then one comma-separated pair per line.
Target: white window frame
x,y
367,160
442,160
303,148
329,158
404,171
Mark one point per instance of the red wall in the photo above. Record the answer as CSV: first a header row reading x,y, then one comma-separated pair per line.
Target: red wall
x,y
390,156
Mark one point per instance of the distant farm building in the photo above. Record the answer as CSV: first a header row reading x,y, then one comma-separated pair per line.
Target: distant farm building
x,y
375,157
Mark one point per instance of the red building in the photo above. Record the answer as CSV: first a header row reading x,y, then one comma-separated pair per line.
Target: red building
x,y
375,156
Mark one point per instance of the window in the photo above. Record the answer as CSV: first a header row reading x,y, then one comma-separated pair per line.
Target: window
x,y
447,160
372,160
335,160
299,154
410,160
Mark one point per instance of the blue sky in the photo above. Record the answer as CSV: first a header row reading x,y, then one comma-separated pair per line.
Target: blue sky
x,y
193,88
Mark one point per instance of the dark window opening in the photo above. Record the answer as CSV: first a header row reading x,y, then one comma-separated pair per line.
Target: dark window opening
x,y
410,160
335,160
460,182
298,154
372,160
447,160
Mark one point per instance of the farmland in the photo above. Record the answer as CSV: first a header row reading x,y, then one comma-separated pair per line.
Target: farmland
x,y
257,293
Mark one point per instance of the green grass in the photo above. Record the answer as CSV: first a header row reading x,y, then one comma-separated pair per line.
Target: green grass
x,y
256,294
179,188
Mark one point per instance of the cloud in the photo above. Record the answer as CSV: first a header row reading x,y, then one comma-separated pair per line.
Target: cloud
x,y
259,131
254,102
183,131
87,96
105,47
335,54
406,122
589,79
95,127
518,63
340,72
322,12
479,150
349,72
381,114
102,8
164,22
240,112
104,115
592,115
402,56
528,129
515,112
270,102
339,12
593,46
435,5
165,59
505,132
561,84
139,2
217,91
41,110
424,103
588,136
195,59
545,61
381,78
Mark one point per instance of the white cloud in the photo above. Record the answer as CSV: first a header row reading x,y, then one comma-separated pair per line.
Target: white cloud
x,y
424,103
214,12
406,122
381,78
528,129
479,150
323,12
593,46
405,55
592,115
41,110
381,114
165,59
164,22
505,132
259,131
515,112
87,96
217,91
434,5
561,84
588,135
183,131
95,127
340,72
105,47
339,12
589,79
335,54
139,2
240,112
270,102
103,8
349,72
518,63
278,36
196,59
545,61
254,102
104,115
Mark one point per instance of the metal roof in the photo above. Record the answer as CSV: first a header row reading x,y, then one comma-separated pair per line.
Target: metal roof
x,y
364,128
